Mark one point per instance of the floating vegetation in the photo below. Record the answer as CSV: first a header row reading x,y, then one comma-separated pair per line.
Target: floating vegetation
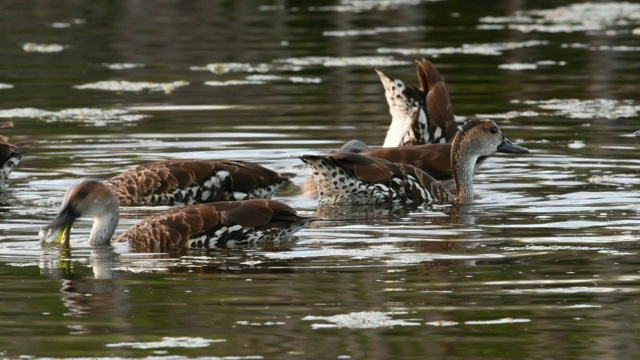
x,y
477,49
234,82
67,24
121,85
329,61
374,31
582,17
497,321
170,342
361,320
586,109
618,48
42,48
366,5
96,117
224,68
530,66
122,66
263,79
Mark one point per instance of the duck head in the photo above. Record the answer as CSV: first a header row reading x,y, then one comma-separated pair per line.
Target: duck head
x,y
478,137
86,199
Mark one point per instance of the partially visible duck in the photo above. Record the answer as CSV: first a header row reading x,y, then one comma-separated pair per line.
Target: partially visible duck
x,y
187,182
418,115
199,226
10,156
349,178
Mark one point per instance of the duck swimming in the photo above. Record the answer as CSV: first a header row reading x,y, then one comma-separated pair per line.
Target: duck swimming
x,y
210,225
189,182
349,178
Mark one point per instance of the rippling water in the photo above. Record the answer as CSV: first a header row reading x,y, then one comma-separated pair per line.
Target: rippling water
x,y
543,266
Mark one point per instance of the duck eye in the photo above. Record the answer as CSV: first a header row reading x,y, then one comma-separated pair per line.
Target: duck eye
x,y
83,194
493,130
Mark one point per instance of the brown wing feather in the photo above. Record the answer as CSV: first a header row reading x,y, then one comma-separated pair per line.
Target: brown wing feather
x,y
136,186
328,172
438,102
434,159
171,230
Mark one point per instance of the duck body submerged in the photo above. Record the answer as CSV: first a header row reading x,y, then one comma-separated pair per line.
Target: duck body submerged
x,y
200,226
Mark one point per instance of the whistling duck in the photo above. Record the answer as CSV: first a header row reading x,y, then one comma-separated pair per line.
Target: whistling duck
x,y
10,156
189,182
208,225
418,116
349,178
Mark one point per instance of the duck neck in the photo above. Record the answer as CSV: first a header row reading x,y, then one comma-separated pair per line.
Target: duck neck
x,y
104,225
463,165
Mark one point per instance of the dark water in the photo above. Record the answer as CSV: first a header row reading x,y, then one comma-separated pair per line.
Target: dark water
x,y
543,266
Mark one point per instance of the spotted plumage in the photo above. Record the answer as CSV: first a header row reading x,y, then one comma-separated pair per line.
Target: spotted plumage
x,y
10,156
194,181
418,115
215,225
200,226
349,178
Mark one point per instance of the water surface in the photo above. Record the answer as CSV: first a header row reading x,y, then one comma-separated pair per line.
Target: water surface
x,y
542,266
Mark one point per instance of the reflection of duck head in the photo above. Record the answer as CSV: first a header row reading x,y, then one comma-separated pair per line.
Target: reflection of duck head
x,y
349,178
183,228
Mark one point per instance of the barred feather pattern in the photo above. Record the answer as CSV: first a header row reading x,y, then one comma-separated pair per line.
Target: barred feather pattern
x,y
215,225
348,178
194,181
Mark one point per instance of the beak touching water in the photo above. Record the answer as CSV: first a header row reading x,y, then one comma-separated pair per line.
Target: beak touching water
x,y
508,147
59,230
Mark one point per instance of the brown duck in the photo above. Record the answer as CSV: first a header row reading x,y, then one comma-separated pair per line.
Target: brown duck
x,y
210,225
188,182
349,178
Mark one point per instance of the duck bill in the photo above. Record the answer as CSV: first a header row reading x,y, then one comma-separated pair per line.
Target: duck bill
x,y
59,230
508,147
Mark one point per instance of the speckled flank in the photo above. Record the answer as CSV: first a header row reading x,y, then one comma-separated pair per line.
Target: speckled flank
x,y
418,115
408,113
351,179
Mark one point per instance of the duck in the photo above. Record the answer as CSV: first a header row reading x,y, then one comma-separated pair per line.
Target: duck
x,y
199,226
351,178
10,156
188,182
421,115
431,150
